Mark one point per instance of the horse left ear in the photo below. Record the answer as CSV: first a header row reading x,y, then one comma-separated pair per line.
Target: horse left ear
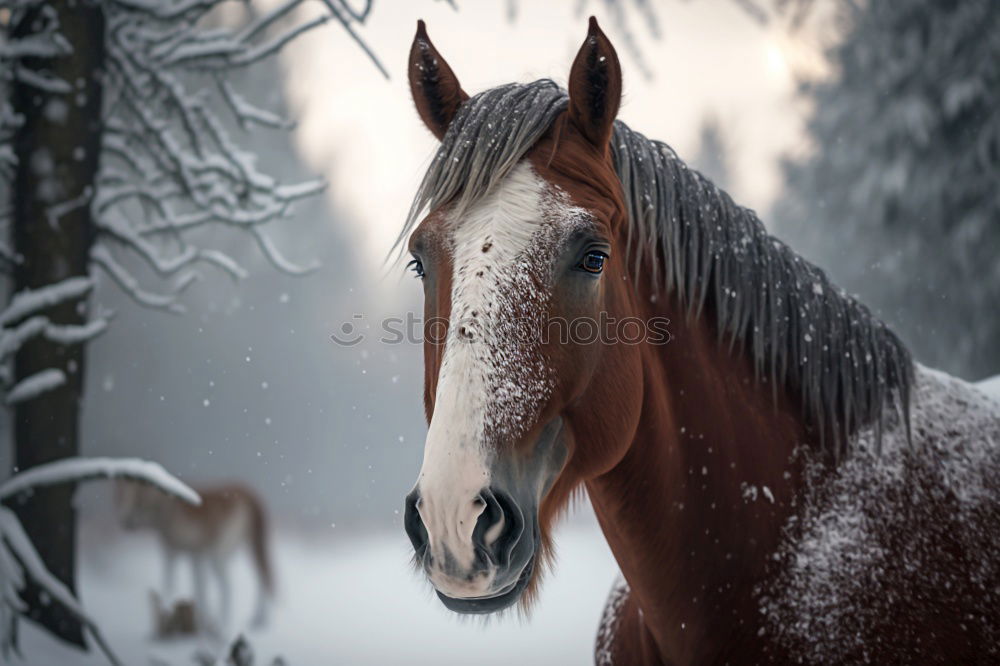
x,y
595,87
434,86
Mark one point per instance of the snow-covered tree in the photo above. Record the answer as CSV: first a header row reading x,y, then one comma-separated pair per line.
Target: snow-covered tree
x,y
115,158
901,196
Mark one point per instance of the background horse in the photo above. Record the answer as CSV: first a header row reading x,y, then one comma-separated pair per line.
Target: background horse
x,y
779,483
229,517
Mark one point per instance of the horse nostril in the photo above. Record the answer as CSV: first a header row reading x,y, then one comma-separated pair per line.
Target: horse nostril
x,y
414,525
498,527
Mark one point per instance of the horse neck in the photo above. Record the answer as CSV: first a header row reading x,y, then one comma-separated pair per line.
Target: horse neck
x,y
688,511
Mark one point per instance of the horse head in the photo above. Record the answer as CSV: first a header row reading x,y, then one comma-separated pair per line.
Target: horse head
x,y
524,279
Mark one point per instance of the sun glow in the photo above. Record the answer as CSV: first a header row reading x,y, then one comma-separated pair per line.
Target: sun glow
x,y
777,64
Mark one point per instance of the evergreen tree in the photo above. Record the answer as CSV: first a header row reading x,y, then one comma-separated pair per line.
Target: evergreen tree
x,y
713,153
901,197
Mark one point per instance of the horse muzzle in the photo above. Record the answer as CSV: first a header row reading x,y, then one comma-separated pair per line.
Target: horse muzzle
x,y
503,544
473,520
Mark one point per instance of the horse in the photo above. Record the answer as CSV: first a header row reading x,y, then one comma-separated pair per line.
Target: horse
x,y
230,517
777,478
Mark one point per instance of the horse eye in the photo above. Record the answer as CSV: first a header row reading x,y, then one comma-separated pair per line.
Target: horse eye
x,y
593,262
417,267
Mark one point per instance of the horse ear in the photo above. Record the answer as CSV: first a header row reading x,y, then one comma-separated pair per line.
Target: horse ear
x,y
435,88
595,87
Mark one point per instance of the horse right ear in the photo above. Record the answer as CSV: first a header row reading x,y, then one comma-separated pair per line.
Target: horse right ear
x,y
595,87
435,88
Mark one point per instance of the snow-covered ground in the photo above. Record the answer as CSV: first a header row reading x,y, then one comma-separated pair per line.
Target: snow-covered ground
x,y
345,599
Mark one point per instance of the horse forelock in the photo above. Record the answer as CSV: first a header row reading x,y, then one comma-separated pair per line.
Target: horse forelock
x,y
489,135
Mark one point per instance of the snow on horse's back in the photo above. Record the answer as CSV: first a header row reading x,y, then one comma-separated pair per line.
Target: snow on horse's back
x,y
892,531
990,386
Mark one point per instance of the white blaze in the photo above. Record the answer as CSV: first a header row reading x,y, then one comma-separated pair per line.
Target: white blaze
x,y
485,243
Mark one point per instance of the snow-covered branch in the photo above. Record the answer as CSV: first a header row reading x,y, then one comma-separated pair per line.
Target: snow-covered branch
x,y
20,562
276,258
130,285
31,301
71,470
170,162
343,13
13,337
69,334
247,114
23,320
34,385
39,45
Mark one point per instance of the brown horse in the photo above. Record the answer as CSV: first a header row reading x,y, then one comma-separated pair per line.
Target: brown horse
x,y
780,483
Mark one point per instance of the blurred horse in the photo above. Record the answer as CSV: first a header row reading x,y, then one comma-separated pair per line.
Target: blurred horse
x,y
781,483
229,517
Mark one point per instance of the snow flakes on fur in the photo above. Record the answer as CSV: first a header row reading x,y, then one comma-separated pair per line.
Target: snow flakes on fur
x,y
886,542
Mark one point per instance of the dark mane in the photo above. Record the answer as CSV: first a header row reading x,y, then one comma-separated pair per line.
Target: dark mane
x,y
847,368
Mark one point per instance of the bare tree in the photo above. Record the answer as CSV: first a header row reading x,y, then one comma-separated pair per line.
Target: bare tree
x,y
112,155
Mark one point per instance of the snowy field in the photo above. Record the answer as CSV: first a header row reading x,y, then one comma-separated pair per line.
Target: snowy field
x,y
344,599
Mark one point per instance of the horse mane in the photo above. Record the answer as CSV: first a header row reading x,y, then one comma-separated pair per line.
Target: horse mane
x,y
846,366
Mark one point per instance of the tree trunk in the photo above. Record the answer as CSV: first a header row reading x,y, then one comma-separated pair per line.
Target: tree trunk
x,y
57,149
